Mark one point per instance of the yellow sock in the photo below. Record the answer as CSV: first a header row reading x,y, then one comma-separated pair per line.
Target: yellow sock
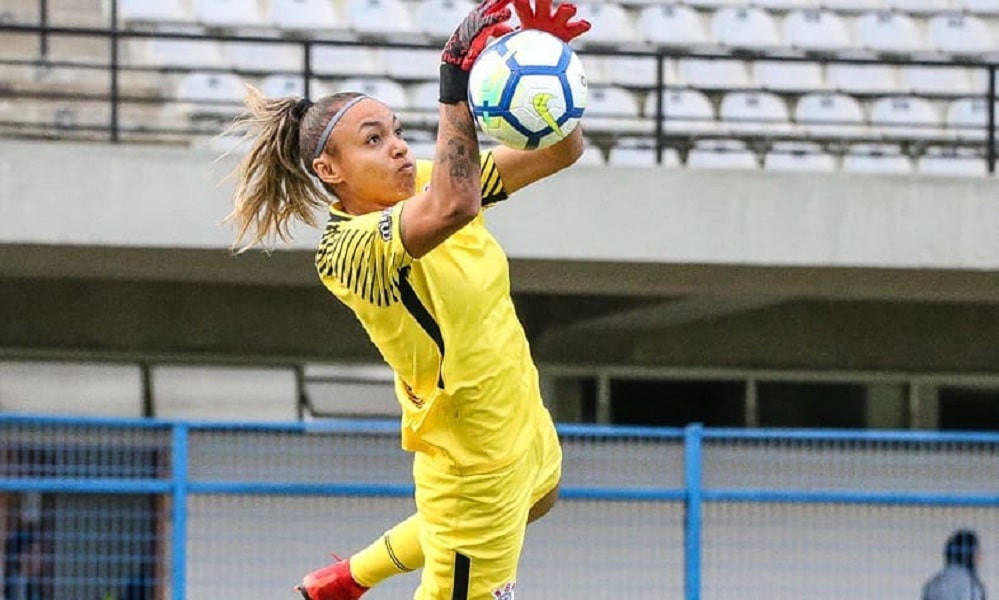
x,y
398,551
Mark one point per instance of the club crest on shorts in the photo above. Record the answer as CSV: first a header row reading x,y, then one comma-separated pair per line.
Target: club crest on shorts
x,y
507,592
385,225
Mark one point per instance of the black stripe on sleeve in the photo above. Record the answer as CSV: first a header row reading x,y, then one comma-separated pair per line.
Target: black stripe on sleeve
x,y
462,566
492,183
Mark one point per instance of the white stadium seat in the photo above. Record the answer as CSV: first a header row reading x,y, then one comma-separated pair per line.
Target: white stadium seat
x,y
684,111
862,79
279,86
163,12
745,27
713,74
786,76
798,157
640,152
249,56
951,162
920,7
210,94
908,117
438,18
315,16
611,23
709,4
981,7
347,61
612,109
672,25
932,80
888,32
876,159
830,115
411,64
721,154
968,118
816,30
379,17
423,104
783,5
389,92
754,112
852,5
980,81
635,71
592,156
228,13
422,144
960,34
182,53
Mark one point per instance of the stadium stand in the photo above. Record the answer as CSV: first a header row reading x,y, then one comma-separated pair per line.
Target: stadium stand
x,y
908,72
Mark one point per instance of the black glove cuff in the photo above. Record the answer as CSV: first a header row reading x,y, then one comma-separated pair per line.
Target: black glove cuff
x,y
454,84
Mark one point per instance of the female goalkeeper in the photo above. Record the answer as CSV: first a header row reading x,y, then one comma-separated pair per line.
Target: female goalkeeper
x,y
407,249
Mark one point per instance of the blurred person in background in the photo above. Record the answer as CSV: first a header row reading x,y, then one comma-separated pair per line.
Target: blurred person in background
x,y
958,580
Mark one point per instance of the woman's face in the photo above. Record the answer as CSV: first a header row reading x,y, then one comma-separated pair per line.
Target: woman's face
x,y
370,166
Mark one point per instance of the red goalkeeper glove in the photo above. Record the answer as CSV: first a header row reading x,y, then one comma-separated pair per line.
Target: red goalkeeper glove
x,y
488,19
557,24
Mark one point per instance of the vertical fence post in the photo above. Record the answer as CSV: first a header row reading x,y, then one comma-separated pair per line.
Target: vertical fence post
x,y
692,437
179,532
115,92
990,135
660,88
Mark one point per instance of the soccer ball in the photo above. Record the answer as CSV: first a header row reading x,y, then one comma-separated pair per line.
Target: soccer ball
x,y
527,90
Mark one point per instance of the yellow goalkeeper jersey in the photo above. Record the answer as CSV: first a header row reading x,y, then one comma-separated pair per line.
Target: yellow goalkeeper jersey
x,y
446,325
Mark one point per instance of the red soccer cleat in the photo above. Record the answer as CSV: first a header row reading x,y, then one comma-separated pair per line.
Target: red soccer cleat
x,y
333,582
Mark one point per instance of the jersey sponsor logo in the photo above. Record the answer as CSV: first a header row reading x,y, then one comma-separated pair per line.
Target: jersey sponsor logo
x,y
540,102
385,225
507,592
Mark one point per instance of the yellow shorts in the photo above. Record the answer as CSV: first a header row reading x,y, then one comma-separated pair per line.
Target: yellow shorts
x,y
473,525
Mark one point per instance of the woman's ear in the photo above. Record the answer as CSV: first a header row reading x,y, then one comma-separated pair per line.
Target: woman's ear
x,y
327,171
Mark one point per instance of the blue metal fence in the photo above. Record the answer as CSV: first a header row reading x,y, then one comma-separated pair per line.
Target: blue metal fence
x,y
127,509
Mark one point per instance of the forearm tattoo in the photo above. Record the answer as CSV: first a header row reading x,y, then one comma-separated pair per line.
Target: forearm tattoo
x,y
461,153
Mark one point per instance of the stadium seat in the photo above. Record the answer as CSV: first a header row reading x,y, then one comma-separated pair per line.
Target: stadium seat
x,y
852,5
423,104
159,52
721,154
228,13
713,74
640,152
888,32
592,156
951,162
684,111
981,7
968,118
783,5
438,18
980,81
709,4
798,157
411,64
908,117
389,92
672,26
611,24
422,144
379,18
960,35
347,61
745,27
938,81
279,86
210,94
754,112
876,159
919,7
614,109
634,71
862,79
830,115
250,56
144,12
786,76
305,16
816,30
